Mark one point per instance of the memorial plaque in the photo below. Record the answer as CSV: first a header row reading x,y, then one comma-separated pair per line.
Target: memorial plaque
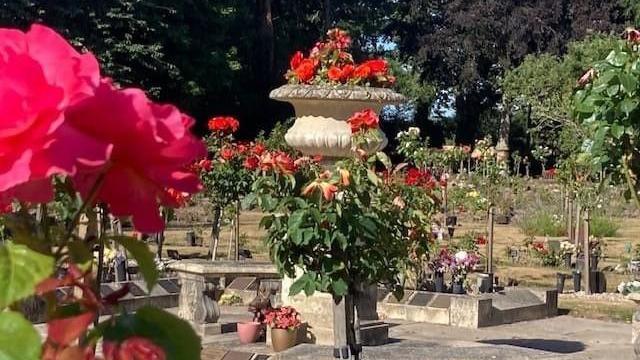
x,y
105,290
440,301
135,290
242,283
421,299
169,286
394,300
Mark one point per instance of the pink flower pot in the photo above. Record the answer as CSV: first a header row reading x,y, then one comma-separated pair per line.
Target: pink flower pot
x,y
248,332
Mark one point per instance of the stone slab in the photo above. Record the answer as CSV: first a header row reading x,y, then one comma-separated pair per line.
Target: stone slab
x,y
226,268
413,350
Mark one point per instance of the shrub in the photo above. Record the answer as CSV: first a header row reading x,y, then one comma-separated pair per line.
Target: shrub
x,y
542,223
602,226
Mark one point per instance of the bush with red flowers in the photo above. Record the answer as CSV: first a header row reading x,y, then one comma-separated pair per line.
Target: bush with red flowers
x,y
285,317
73,144
329,62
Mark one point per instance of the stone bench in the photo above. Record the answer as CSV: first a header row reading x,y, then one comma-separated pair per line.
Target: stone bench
x,y
199,279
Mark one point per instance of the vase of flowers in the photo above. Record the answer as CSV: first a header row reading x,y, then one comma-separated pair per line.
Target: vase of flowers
x,y
439,266
250,331
463,263
325,88
567,250
284,323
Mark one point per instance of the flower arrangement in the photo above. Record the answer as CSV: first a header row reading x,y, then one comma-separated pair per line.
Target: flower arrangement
x,y
567,247
329,62
443,262
463,263
548,257
285,317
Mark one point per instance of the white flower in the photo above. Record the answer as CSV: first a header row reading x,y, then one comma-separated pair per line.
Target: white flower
x,y
461,256
413,131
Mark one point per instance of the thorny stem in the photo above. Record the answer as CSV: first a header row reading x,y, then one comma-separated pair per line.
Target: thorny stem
x,y
93,193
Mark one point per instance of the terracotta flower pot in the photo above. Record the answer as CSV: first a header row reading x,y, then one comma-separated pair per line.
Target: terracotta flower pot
x,y
249,331
282,339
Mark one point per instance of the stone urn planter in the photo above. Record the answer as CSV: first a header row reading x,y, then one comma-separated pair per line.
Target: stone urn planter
x,y
322,111
282,339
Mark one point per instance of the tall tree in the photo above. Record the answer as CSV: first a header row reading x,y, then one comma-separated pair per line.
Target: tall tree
x,y
466,45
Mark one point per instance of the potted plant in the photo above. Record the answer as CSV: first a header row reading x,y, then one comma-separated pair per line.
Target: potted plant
x,y
250,331
567,250
463,263
439,266
284,323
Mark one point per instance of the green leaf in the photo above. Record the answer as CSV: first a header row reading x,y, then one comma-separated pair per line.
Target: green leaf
x,y
339,287
373,177
19,340
613,90
298,285
617,131
143,256
174,335
629,83
628,105
297,218
617,58
384,159
21,269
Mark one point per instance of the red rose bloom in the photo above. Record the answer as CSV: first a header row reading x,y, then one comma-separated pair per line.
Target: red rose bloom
x,y
251,163
41,76
259,149
413,177
134,348
365,119
306,70
224,124
152,147
284,163
227,153
205,164
296,59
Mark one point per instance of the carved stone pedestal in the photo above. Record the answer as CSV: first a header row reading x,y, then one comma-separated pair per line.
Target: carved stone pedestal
x,y
197,304
317,311
200,280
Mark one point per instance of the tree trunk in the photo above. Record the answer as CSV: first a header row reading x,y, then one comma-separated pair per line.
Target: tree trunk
x,y
326,5
160,237
236,231
215,232
264,60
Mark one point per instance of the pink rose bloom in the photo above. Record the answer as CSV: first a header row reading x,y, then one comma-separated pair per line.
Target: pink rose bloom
x,y
152,149
41,75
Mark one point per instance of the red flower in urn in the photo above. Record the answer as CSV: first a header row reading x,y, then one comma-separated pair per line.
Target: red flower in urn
x,y
363,120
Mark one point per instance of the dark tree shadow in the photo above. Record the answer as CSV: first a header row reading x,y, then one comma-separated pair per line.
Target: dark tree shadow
x,y
557,346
